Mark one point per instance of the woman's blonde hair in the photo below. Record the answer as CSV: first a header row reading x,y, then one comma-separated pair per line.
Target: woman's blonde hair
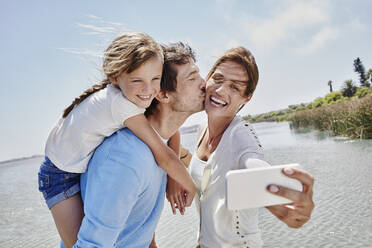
x,y
243,57
126,53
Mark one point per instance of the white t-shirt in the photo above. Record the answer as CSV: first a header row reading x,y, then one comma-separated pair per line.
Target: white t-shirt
x,y
72,141
220,227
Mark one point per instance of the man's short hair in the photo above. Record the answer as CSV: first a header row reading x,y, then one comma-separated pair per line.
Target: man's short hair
x,y
174,54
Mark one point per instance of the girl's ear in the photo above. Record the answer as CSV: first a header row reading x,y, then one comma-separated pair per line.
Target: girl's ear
x,y
163,97
113,80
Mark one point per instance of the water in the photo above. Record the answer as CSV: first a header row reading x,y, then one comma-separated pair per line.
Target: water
x,y
342,194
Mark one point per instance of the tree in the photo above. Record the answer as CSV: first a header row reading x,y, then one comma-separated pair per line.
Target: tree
x,y
349,88
330,85
369,76
359,68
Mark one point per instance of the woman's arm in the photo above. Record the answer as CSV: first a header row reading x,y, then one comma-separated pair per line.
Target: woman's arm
x,y
297,213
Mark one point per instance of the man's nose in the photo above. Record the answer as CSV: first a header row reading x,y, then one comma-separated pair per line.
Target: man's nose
x,y
203,83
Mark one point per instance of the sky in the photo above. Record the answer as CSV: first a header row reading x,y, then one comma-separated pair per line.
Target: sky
x,y
51,51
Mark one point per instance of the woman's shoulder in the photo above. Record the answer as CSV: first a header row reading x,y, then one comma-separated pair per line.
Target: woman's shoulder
x,y
243,135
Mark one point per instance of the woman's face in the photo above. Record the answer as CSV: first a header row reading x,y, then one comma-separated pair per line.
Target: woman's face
x,y
225,90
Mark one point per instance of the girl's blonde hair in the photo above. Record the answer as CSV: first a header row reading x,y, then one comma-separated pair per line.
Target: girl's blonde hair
x,y
125,54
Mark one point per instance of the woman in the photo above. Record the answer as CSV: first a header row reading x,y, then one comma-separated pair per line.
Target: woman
x,y
226,143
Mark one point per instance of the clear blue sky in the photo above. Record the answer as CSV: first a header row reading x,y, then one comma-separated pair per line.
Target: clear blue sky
x,y
50,51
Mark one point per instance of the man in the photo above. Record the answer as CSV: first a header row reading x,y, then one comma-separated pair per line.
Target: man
x,y
123,190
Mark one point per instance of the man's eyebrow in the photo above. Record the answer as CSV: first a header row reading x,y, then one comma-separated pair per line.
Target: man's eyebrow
x,y
191,73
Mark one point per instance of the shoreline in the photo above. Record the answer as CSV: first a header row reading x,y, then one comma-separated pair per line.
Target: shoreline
x,y
352,118
21,158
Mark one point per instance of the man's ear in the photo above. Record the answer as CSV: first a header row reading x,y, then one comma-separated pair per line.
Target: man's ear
x,y
163,97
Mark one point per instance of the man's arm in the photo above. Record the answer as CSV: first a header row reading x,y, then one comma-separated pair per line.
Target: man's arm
x,y
112,189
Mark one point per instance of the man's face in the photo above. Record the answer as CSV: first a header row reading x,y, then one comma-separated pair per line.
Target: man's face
x,y
190,92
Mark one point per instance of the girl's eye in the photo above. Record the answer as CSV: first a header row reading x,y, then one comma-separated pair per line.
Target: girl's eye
x,y
136,81
192,79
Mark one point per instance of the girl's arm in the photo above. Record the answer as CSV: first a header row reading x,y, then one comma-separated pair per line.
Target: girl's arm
x,y
164,156
175,192
174,143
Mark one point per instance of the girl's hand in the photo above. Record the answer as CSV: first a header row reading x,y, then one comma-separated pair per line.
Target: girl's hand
x,y
176,196
189,197
299,211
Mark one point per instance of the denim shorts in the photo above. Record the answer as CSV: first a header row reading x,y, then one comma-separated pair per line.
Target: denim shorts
x,y
55,184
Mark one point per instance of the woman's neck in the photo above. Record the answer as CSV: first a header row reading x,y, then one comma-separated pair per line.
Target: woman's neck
x,y
216,128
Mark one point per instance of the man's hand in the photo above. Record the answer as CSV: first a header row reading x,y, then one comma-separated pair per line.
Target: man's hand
x,y
176,196
299,211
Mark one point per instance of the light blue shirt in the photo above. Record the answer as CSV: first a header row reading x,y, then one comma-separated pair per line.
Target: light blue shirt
x,y
123,193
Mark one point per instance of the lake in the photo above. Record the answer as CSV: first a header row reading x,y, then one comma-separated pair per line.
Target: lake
x,y
342,194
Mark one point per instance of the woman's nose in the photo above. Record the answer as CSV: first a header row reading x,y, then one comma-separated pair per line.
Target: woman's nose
x,y
221,89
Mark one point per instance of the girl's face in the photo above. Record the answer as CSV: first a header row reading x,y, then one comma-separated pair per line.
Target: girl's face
x,y
225,90
143,84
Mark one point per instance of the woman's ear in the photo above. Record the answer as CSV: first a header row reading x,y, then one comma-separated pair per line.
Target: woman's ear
x,y
248,98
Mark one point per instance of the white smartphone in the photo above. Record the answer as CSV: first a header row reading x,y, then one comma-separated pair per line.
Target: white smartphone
x,y
247,188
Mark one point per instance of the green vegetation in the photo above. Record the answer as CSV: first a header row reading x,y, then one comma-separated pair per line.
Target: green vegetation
x,y
347,112
352,119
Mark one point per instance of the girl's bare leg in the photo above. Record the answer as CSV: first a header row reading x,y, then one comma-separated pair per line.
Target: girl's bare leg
x,y
68,215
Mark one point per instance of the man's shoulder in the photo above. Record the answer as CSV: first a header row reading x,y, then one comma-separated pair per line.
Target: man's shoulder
x,y
126,136
125,147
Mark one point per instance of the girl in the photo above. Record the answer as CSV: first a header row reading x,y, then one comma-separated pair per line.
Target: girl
x,y
133,66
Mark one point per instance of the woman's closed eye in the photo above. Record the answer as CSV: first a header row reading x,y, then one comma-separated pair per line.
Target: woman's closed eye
x,y
234,87
218,80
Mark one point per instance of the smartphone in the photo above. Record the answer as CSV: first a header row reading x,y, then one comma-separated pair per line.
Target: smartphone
x,y
247,188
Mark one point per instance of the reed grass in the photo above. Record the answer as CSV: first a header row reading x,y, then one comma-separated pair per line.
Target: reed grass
x,y
352,119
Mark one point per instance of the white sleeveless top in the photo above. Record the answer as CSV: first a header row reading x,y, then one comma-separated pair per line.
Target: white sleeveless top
x,y
73,140
220,227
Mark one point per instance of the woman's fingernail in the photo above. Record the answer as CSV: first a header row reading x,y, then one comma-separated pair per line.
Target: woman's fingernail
x,y
273,188
288,171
